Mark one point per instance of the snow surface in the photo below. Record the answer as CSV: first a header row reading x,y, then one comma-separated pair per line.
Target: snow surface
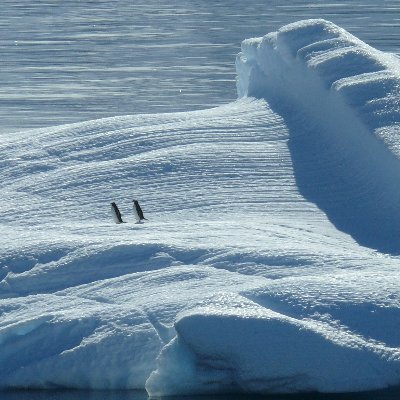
x,y
270,259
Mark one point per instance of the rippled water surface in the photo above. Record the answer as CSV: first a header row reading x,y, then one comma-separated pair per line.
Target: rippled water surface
x,y
68,61
392,394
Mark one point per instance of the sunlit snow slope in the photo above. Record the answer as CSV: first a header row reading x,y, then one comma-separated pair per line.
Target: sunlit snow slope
x,y
269,259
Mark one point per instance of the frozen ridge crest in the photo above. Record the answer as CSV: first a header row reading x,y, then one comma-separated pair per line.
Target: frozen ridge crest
x,y
270,259
313,57
341,101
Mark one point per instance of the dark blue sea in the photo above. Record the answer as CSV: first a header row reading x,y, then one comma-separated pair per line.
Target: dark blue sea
x,y
390,394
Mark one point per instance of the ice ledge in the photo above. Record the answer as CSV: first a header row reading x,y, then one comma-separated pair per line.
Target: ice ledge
x,y
238,345
305,61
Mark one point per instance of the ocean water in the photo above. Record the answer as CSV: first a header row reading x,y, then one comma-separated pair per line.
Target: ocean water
x,y
71,61
392,394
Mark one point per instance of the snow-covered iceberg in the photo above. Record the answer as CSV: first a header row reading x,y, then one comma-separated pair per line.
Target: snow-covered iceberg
x,y
269,263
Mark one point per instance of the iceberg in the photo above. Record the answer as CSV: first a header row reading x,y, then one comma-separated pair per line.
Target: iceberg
x,y
269,262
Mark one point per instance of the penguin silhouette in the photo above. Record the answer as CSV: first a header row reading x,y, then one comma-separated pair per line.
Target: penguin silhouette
x,y
116,214
137,210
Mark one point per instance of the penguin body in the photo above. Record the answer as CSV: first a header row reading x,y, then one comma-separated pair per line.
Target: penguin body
x,y
116,214
137,210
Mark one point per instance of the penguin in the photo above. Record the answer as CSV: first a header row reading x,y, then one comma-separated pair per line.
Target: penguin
x,y
116,214
138,211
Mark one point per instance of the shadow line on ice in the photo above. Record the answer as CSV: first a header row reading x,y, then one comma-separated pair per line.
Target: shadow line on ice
x,y
356,185
85,265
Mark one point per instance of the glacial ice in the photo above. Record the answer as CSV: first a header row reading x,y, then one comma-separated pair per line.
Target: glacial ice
x,y
270,260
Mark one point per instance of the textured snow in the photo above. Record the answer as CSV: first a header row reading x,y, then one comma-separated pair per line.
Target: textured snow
x,y
337,96
269,263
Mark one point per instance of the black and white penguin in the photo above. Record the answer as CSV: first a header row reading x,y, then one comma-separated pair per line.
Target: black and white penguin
x,y
137,211
116,214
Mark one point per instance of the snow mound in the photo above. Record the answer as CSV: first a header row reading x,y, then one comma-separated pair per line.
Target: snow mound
x,y
234,344
340,99
328,58
240,280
